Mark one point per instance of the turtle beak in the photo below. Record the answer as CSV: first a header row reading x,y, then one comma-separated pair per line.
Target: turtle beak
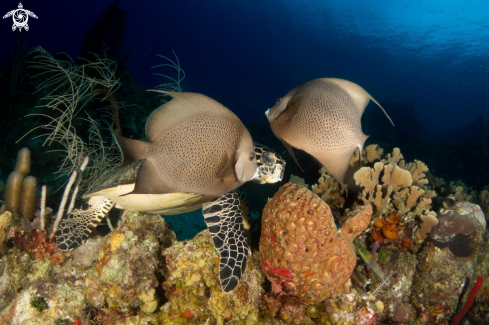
x,y
257,177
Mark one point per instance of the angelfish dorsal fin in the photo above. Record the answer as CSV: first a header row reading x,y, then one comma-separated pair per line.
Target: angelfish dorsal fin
x,y
182,107
148,181
132,150
359,95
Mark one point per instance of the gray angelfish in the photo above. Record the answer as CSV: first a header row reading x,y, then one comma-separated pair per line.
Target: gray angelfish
x,y
322,117
197,153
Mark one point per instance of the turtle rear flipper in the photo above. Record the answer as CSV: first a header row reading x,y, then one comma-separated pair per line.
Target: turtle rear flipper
x,y
79,223
223,217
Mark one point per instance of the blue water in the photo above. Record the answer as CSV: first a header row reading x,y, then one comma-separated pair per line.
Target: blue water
x,y
246,54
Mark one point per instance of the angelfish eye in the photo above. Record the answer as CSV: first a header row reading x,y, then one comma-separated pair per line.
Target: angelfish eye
x,y
252,157
279,100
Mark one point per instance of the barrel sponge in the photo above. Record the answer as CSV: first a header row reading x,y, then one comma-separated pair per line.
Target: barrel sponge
x,y
23,164
12,192
28,197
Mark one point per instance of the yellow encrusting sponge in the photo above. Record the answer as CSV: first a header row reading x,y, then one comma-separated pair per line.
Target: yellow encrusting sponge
x,y
12,192
23,164
28,198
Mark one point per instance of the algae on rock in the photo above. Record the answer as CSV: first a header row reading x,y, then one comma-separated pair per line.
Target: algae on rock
x,y
193,289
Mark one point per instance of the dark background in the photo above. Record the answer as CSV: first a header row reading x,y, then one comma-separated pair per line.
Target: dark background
x,y
425,61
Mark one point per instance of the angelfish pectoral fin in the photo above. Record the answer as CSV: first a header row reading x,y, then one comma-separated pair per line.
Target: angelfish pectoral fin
x,y
291,109
291,151
74,229
223,217
228,172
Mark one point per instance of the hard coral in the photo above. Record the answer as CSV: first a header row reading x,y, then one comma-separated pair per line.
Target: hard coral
x,y
329,189
302,251
126,273
193,290
60,300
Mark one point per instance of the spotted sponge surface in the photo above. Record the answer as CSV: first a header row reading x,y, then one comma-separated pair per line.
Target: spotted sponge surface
x,y
302,252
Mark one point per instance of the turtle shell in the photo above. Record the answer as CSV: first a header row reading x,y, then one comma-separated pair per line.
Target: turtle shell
x,y
120,181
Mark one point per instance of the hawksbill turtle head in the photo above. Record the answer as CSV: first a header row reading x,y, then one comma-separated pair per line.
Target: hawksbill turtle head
x,y
270,166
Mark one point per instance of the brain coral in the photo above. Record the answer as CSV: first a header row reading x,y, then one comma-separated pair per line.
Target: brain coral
x,y
302,252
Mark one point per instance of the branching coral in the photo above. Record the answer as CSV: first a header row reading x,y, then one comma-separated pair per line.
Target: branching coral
x,y
329,189
428,220
460,191
396,157
373,152
379,190
437,182
417,170
398,192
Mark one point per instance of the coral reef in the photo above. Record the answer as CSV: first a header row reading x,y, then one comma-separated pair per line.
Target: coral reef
x,y
125,274
399,194
438,283
140,274
329,189
193,290
46,302
122,280
302,252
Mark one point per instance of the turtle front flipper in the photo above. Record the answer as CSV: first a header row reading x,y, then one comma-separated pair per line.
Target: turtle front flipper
x,y
79,223
224,219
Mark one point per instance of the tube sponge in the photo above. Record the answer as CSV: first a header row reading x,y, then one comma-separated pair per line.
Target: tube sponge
x,y
28,197
23,164
12,192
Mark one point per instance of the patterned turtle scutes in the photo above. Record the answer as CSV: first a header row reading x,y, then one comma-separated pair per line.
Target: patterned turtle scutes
x,y
119,176
223,217
270,164
76,226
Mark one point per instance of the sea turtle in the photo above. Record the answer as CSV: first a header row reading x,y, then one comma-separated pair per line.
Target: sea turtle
x,y
222,212
20,17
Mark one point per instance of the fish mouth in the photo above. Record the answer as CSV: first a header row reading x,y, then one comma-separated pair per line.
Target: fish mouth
x,y
266,112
